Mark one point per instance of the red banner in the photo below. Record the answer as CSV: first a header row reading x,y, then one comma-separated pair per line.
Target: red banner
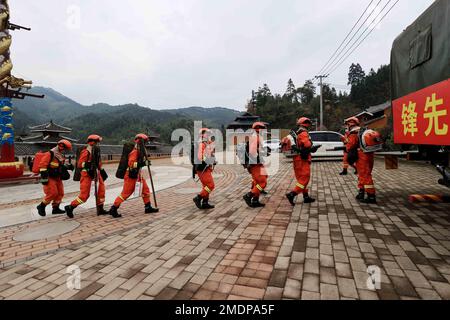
x,y
423,117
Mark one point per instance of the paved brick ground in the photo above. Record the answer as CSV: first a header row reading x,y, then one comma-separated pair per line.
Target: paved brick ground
x,y
318,251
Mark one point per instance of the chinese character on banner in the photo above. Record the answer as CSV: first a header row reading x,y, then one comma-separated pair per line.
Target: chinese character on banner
x,y
433,115
409,119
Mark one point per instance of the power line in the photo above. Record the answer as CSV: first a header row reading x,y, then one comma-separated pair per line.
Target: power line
x,y
348,35
359,44
353,36
339,59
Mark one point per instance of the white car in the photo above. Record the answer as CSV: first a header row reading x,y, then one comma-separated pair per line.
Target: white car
x,y
328,140
273,145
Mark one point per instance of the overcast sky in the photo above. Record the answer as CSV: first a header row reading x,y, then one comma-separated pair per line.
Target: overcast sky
x,y
179,53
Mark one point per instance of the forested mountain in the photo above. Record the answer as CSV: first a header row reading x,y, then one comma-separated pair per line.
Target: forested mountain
x,y
114,123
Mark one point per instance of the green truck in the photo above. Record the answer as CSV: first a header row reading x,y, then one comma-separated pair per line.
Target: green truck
x,y
420,86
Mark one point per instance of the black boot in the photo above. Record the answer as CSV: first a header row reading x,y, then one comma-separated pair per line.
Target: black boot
x,y
57,210
371,199
41,209
248,199
69,211
256,203
291,197
344,172
308,199
150,209
113,212
198,201
206,205
101,211
264,192
361,194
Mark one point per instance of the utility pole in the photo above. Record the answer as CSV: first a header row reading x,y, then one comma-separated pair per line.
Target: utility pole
x,y
321,77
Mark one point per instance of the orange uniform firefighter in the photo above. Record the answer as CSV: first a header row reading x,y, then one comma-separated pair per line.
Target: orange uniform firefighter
x,y
52,169
364,163
302,162
90,164
204,169
136,161
256,168
345,164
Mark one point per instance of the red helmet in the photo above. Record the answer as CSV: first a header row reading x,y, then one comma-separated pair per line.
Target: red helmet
x,y
304,122
66,143
259,125
95,138
141,136
353,120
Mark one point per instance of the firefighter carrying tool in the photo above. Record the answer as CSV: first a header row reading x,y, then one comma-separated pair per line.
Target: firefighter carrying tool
x,y
345,164
204,167
90,164
256,168
137,159
361,152
302,161
53,171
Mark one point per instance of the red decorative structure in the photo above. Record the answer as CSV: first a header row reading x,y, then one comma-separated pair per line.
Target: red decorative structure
x,y
10,87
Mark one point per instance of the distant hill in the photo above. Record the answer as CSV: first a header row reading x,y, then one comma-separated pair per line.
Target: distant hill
x,y
114,123
215,116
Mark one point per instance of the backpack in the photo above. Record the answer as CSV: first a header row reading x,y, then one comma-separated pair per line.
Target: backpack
x,y
123,164
77,172
370,141
37,161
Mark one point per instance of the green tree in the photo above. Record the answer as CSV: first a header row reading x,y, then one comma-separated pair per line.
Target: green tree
x,y
356,74
307,92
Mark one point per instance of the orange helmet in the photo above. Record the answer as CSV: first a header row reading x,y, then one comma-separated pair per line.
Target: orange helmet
x,y
304,122
141,136
353,120
95,138
66,143
259,125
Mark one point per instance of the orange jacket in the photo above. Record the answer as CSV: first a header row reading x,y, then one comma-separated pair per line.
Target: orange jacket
x,y
86,156
205,150
48,163
133,159
254,145
353,141
303,142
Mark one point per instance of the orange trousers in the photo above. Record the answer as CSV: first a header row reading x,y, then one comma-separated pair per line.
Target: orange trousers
x,y
207,181
302,170
364,165
128,188
54,192
259,176
85,190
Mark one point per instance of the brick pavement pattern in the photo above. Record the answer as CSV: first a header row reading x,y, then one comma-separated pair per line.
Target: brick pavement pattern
x,y
318,251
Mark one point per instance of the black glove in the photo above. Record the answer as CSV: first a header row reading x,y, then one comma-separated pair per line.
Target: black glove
x,y
296,149
304,153
104,175
145,163
44,178
134,173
